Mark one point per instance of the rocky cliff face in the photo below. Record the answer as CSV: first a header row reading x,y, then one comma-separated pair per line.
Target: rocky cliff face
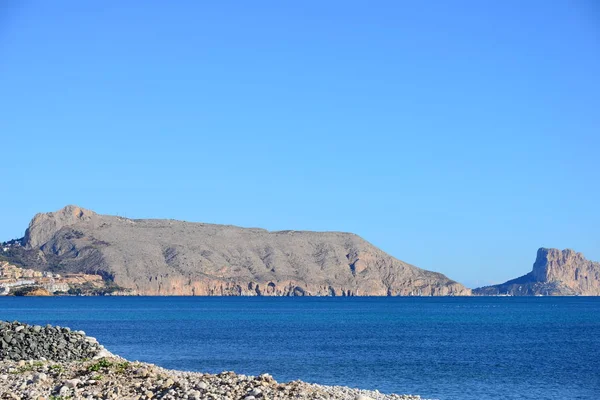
x,y
44,225
166,257
555,273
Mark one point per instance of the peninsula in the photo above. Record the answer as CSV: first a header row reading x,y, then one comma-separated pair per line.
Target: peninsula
x,y
168,257
76,251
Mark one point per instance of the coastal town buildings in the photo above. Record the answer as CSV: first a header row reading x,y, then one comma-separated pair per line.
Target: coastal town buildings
x,y
13,277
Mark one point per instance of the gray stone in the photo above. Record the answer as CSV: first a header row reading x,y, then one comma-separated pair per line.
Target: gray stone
x,y
39,377
72,383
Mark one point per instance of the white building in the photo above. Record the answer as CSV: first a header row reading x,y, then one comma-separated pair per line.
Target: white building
x,y
56,287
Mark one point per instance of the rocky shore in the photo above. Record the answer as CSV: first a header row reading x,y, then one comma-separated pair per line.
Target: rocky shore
x,y
55,363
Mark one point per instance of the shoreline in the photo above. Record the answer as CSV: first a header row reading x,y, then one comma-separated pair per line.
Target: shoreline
x,y
114,377
55,363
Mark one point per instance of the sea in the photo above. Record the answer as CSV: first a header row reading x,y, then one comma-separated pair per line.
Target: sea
x,y
446,348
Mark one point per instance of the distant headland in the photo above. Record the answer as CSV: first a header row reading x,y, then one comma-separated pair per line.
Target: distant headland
x,y
79,252
554,273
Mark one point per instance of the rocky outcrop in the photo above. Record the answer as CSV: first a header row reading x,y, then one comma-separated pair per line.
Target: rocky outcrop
x,y
555,273
33,292
166,257
44,225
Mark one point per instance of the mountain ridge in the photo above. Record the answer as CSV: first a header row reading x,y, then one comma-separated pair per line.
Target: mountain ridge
x,y
170,257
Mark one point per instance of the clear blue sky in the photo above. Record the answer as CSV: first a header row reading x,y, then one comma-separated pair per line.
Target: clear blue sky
x,y
459,136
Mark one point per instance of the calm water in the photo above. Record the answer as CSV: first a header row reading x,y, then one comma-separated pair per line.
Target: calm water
x,y
443,348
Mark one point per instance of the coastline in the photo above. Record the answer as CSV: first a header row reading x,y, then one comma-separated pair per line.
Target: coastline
x,y
116,378
44,363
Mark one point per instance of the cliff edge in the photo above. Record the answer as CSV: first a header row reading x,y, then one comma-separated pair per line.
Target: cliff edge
x,y
554,273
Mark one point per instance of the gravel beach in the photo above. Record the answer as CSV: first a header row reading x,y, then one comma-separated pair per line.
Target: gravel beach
x,y
55,363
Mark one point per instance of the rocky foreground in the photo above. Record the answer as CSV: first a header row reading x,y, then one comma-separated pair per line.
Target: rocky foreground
x,y
52,363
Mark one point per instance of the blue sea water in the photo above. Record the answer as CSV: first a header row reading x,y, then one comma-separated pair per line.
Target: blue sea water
x,y
443,348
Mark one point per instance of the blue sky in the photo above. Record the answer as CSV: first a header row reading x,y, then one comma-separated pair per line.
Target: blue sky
x,y
457,136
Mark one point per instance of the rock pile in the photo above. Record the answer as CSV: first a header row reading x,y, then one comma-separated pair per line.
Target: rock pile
x,y
20,341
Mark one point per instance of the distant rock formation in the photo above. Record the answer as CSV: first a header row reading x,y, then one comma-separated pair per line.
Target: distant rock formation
x,y
555,273
167,257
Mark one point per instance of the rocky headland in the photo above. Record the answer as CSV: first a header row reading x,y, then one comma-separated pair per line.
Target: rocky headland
x,y
167,257
554,273
52,363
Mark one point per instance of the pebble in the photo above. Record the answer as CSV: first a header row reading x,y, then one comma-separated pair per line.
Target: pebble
x,y
72,383
39,377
